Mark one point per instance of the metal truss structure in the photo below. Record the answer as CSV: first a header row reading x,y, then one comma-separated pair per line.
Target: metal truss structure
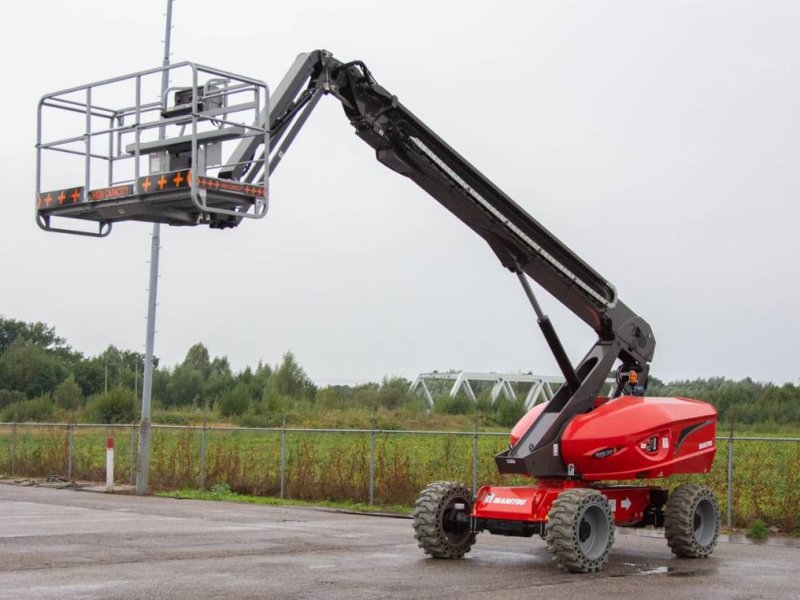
x,y
540,388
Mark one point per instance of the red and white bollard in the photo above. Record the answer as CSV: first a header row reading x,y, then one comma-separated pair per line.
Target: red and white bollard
x,y
110,464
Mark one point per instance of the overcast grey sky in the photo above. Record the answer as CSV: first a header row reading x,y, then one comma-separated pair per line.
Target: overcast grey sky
x,y
660,140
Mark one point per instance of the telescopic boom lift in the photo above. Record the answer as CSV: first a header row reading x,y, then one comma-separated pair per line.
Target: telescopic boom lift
x,y
567,444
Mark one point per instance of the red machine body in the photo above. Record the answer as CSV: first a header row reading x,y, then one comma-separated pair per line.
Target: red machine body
x,y
636,437
628,437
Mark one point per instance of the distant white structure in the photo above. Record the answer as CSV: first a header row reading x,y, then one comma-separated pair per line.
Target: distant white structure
x,y
542,387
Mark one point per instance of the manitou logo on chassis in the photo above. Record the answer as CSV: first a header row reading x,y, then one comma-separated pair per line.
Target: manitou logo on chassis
x,y
492,499
704,445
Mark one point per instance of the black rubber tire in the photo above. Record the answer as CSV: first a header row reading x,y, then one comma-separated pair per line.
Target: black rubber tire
x,y
580,530
691,521
436,528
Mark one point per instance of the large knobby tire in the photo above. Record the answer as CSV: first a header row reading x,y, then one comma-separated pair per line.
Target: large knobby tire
x,y
441,520
580,530
691,521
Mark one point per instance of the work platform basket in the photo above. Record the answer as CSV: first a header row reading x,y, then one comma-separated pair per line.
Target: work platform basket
x,y
121,149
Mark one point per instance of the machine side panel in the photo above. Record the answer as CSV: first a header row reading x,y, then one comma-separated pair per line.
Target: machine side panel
x,y
634,437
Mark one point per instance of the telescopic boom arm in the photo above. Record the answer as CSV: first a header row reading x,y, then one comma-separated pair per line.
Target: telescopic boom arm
x,y
406,145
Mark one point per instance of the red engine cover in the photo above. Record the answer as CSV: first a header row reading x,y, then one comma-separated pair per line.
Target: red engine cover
x,y
633,437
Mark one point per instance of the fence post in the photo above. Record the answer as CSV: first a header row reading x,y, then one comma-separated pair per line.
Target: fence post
x,y
475,462
14,449
730,481
372,464
283,458
203,458
69,452
133,453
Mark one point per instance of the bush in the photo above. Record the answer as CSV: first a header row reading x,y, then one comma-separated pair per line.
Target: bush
x,y
170,417
460,405
508,412
117,405
274,402
757,530
234,402
39,410
10,397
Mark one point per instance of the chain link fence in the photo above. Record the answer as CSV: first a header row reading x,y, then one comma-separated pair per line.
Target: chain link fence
x,y
753,477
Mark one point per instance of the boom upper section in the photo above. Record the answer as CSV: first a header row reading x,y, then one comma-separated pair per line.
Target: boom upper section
x,y
406,145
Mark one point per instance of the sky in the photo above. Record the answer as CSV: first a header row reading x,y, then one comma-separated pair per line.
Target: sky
x,y
659,140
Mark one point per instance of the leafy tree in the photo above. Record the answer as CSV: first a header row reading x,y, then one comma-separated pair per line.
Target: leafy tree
x,y
257,382
185,387
219,379
118,368
289,379
113,362
246,376
198,359
262,376
90,376
738,402
217,385
68,394
30,369
39,334
220,367
160,391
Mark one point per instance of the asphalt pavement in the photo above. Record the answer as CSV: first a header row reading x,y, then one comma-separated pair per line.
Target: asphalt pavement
x,y
77,544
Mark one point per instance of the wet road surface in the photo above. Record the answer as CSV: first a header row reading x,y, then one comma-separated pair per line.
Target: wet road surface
x,y
72,544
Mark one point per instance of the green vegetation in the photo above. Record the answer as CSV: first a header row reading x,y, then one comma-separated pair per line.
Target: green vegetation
x,y
741,404
229,496
335,466
44,380
758,530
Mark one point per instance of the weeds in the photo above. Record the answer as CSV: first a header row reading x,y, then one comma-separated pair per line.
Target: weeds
x,y
218,490
758,530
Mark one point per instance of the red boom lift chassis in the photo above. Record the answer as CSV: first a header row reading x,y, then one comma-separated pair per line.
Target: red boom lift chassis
x,y
203,153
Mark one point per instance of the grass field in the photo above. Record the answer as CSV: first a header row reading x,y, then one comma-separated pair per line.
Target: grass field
x,y
336,466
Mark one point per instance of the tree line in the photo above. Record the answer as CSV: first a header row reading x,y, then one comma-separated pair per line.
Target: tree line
x,y
44,379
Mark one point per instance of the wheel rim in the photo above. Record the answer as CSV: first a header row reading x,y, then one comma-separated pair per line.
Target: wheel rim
x,y
705,522
593,532
455,531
